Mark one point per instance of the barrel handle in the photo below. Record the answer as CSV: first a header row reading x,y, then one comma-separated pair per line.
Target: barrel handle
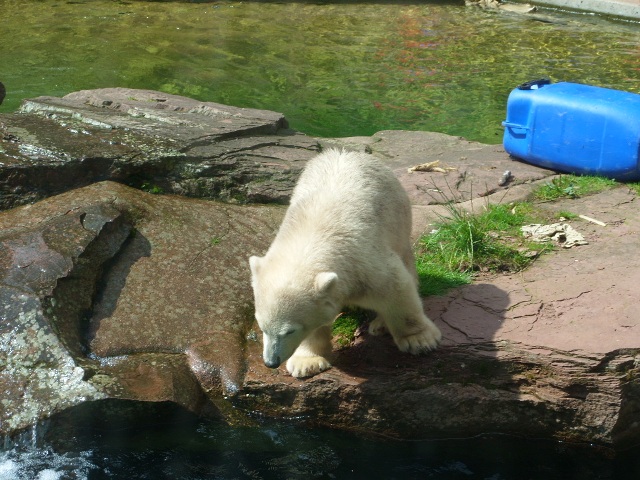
x,y
514,125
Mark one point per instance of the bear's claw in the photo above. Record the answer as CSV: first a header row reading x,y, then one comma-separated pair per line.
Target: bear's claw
x,y
300,367
420,342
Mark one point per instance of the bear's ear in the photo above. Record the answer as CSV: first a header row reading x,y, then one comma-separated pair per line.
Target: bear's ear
x,y
325,281
254,264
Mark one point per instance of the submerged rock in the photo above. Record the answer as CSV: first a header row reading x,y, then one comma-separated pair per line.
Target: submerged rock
x,y
499,4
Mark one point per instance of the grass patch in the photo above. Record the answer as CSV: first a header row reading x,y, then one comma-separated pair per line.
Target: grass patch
x,y
151,188
345,326
634,187
464,243
436,279
566,215
573,186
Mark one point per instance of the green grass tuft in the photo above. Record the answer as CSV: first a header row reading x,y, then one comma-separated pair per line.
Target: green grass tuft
x,y
573,186
463,243
345,326
151,188
436,279
566,215
634,187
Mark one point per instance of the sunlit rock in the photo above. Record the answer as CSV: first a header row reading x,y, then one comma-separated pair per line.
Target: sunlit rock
x,y
150,140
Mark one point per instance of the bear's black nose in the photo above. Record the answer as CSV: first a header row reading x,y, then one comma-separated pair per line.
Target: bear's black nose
x,y
272,363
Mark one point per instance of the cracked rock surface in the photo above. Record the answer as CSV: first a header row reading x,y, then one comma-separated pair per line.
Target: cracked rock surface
x,y
109,292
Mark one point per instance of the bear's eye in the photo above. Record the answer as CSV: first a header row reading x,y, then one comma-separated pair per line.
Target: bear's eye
x,y
290,332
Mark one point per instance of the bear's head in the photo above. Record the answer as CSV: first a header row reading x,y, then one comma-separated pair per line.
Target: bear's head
x,y
289,306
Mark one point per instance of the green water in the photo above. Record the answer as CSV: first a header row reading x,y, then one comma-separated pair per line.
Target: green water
x,y
333,69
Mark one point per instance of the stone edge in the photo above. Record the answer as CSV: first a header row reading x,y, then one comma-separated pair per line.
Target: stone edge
x,y
627,9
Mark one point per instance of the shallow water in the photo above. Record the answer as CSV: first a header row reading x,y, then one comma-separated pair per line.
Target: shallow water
x,y
131,441
333,69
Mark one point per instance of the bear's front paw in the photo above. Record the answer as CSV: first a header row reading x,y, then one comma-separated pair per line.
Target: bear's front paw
x,y
378,327
301,367
423,341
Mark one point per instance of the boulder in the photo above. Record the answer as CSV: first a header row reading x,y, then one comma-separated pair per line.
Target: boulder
x,y
108,292
150,140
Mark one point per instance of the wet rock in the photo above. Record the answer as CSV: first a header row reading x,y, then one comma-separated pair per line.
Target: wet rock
x,y
110,292
49,267
149,140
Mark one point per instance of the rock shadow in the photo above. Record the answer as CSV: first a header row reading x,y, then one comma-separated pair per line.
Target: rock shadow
x,y
114,279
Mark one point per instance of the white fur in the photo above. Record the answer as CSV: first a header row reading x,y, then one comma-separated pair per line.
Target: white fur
x,y
345,240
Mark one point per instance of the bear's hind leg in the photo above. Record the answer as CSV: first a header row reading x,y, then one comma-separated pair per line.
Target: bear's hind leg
x,y
378,326
310,357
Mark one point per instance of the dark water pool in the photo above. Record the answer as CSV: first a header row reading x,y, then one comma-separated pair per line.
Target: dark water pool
x,y
133,441
334,69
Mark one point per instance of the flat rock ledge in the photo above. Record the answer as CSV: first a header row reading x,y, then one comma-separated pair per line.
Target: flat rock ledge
x,y
146,139
111,292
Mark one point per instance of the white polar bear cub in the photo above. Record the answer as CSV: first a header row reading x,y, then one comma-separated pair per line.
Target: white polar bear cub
x,y
344,240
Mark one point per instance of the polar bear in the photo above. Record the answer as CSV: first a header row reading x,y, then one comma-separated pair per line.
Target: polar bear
x,y
344,240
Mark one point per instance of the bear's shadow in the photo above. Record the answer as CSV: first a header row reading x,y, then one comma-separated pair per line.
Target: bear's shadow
x,y
468,317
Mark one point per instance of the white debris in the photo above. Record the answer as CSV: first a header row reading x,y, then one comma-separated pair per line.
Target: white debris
x,y
593,220
430,167
561,233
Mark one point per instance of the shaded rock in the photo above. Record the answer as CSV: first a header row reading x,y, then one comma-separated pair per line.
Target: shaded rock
x,y
461,390
110,292
148,140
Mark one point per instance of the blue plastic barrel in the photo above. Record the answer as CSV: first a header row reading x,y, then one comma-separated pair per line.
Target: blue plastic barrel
x,y
575,128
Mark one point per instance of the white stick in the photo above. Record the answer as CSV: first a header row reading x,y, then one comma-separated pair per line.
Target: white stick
x,y
593,220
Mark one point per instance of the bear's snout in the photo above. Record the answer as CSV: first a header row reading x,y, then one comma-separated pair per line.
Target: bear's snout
x,y
271,363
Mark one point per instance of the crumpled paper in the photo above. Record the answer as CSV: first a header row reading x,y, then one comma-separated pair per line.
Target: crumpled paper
x,y
561,233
